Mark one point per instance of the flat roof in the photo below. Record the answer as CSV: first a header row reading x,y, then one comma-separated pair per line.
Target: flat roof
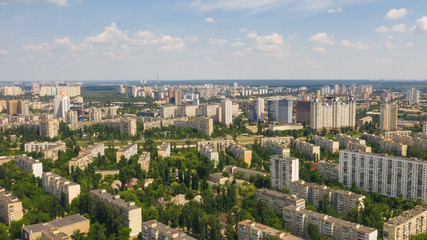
x,y
386,156
114,199
58,223
61,178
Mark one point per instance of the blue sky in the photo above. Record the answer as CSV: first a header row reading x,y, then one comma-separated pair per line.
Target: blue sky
x,y
212,39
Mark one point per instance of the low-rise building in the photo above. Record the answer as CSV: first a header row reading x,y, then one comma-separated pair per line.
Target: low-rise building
x,y
329,144
284,127
296,220
6,159
130,213
127,151
10,207
309,149
66,225
29,164
385,144
164,149
279,148
57,186
218,178
243,172
250,230
85,157
328,169
48,149
278,200
362,121
154,230
240,151
144,161
411,222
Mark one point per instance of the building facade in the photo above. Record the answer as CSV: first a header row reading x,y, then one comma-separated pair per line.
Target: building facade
x,y
411,222
10,207
328,169
154,230
388,117
250,230
56,185
329,144
29,164
332,113
280,110
278,200
283,171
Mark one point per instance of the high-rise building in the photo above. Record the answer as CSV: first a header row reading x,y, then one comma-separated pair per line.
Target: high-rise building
x,y
411,222
12,107
332,113
23,108
388,175
61,105
49,128
336,89
283,171
72,117
60,186
424,127
128,126
257,112
388,117
280,110
413,95
178,97
226,112
303,111
10,207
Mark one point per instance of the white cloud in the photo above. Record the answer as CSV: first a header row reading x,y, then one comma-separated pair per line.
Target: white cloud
x,y
322,38
389,45
420,26
319,50
36,48
111,34
409,44
233,4
243,30
252,34
356,45
398,28
272,44
60,3
336,10
3,52
66,43
381,29
237,44
209,20
217,41
396,13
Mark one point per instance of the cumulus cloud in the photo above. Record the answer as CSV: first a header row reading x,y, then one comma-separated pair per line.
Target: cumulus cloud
x,y
319,50
252,34
209,20
111,34
381,29
217,41
336,10
420,25
243,30
270,44
60,3
322,38
398,28
237,44
389,45
396,13
3,52
356,45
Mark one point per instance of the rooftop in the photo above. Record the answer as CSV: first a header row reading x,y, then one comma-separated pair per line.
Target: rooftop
x,y
406,216
58,223
129,146
7,197
114,199
60,178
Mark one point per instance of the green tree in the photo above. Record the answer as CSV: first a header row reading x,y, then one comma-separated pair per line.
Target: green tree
x,y
313,231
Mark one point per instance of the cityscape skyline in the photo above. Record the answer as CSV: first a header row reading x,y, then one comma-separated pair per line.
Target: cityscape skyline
x,y
234,39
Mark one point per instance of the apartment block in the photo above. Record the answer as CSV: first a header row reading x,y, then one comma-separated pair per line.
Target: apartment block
x,y
204,125
313,151
6,159
168,111
49,128
128,126
131,214
296,221
164,149
328,169
144,161
208,151
250,230
278,200
85,157
384,174
411,222
342,201
66,226
245,173
283,171
72,117
416,142
332,113
127,151
362,121
29,164
154,230
353,143
387,145
240,151
388,117
330,145
56,185
10,207
279,145
391,134
48,149
95,150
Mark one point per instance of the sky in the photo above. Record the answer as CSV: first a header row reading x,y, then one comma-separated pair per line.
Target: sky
x,y
212,39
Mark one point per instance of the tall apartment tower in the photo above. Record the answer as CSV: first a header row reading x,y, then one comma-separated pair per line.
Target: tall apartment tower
x,y
178,97
283,171
257,112
12,107
425,127
128,126
226,112
49,128
61,105
333,113
280,110
388,118
413,95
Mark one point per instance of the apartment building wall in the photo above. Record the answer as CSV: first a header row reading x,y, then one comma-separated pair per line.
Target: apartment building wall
x,y
154,230
283,171
48,149
55,185
387,145
328,169
411,222
144,161
313,151
164,149
278,200
127,151
29,164
239,151
10,207
330,145
250,230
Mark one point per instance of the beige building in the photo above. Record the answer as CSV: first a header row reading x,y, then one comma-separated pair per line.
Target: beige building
x,y
278,147
243,172
411,222
250,230
207,150
66,225
353,143
330,145
240,151
56,185
144,161
362,121
29,164
154,230
388,117
205,125
328,169
332,113
6,159
49,128
127,151
313,151
416,142
342,201
168,111
387,145
283,171
164,149
278,200
128,126
95,114
296,220
218,178
131,214
48,149
10,207
72,117
85,157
